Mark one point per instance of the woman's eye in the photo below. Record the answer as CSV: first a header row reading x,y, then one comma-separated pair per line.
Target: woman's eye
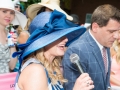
x,y
5,11
11,12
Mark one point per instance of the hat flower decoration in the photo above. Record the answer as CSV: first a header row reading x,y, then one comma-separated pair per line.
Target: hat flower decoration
x,y
56,28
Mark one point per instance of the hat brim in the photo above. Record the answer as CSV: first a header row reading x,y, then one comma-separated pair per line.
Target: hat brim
x,y
34,8
20,19
50,38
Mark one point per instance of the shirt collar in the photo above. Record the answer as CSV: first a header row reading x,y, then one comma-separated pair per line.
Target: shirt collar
x,y
99,45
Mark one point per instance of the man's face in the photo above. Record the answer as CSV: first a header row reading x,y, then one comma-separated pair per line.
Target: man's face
x,y
106,35
17,7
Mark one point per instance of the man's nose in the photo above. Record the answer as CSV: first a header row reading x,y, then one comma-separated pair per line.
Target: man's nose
x,y
116,35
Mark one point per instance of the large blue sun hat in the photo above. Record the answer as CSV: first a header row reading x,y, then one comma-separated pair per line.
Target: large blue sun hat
x,y
55,28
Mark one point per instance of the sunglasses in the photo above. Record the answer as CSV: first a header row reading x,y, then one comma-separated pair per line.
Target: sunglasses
x,y
16,6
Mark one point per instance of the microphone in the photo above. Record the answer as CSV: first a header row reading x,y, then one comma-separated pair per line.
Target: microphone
x,y
74,58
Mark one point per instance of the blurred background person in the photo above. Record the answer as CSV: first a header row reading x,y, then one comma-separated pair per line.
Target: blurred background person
x,y
115,66
76,19
23,33
18,7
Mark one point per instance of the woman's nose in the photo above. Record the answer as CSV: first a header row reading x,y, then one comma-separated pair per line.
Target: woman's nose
x,y
66,39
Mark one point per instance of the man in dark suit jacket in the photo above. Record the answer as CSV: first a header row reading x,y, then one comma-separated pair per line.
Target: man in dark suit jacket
x,y
105,23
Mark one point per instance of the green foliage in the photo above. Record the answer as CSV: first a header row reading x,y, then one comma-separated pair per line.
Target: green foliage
x,y
33,1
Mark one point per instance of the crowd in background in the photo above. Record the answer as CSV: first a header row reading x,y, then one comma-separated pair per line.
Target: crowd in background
x,y
40,22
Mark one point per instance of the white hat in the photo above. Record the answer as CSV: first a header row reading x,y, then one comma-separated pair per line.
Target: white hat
x,y
23,0
20,19
51,4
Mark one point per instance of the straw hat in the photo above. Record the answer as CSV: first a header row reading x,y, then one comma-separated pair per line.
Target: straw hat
x,y
50,32
20,19
51,4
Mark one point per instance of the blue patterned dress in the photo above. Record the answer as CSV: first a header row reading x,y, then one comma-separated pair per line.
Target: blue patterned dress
x,y
57,86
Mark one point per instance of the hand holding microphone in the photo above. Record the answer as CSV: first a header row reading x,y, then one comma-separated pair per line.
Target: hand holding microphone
x,y
84,81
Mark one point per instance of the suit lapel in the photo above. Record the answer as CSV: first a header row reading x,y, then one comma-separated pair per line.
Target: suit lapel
x,y
97,53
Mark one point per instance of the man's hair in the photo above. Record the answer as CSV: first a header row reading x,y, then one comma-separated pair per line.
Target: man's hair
x,y
104,13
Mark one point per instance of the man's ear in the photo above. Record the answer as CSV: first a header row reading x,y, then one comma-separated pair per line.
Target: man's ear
x,y
95,27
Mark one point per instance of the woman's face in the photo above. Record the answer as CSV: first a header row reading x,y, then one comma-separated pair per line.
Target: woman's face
x,y
56,48
6,16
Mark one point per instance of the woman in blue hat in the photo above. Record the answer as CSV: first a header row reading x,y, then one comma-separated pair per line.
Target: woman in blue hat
x,y
40,56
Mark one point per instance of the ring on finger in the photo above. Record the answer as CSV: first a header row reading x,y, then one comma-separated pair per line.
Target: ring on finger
x,y
87,83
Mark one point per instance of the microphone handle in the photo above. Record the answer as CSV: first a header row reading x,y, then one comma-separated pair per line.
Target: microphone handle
x,y
79,67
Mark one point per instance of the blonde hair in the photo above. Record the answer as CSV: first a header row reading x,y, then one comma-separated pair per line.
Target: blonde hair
x,y
19,29
116,47
53,68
